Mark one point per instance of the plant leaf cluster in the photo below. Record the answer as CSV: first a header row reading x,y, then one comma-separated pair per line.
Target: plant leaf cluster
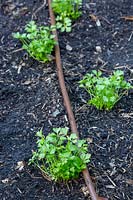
x,y
38,41
66,10
105,91
60,156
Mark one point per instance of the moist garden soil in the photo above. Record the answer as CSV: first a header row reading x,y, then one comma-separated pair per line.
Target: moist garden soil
x,y
30,99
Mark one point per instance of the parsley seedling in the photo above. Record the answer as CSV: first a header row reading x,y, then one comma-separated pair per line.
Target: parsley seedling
x,y
60,156
38,41
66,11
105,91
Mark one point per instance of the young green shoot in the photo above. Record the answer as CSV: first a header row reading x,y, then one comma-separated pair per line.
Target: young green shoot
x,y
37,41
60,156
105,91
66,11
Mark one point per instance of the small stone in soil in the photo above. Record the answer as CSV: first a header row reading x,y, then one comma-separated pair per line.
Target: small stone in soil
x,y
68,47
98,49
55,113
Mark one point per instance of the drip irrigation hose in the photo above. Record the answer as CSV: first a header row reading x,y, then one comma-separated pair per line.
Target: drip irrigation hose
x,y
67,103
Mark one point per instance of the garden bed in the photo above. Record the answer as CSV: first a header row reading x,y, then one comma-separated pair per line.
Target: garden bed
x,y
31,99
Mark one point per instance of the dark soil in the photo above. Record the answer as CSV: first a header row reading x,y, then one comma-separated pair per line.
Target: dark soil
x,y
31,99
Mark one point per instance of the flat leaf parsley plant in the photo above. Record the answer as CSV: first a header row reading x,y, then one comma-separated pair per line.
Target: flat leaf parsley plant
x,y
60,156
105,91
38,41
66,11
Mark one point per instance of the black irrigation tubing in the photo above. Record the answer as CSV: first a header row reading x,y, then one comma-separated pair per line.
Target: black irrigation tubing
x,y
67,104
